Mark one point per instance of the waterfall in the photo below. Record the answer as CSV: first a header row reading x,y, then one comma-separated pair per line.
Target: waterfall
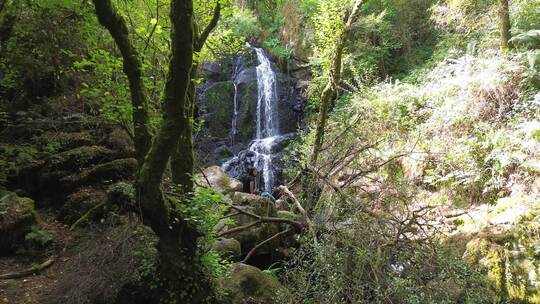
x,y
267,121
234,123
260,151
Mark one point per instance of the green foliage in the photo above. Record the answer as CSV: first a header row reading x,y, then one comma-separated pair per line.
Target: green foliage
x,y
204,211
276,48
36,56
341,268
244,23
38,238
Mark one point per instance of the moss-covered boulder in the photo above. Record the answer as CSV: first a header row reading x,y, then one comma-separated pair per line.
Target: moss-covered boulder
x,y
17,215
79,202
118,169
512,276
42,178
216,178
261,206
248,283
230,248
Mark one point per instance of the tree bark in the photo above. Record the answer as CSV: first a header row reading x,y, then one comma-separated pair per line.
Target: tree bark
x,y
331,87
504,16
116,25
182,159
180,271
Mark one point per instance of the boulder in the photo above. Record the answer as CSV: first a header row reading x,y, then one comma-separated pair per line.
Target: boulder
x,y
43,177
228,248
119,140
249,283
216,178
17,215
262,206
79,202
118,169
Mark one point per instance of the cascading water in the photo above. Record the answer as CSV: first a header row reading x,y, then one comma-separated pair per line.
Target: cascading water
x,y
268,135
267,122
234,123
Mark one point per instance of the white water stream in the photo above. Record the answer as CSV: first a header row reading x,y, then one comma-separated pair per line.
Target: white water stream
x,y
267,123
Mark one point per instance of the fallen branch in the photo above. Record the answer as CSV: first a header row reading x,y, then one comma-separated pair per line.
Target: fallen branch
x,y
275,236
238,229
259,220
301,209
34,270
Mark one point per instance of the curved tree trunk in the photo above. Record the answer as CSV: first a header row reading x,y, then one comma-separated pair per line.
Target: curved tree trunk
x,y
116,25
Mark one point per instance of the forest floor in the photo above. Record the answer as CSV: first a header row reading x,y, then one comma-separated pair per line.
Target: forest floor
x,y
29,289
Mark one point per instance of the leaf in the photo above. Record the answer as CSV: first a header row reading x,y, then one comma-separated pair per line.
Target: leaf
x,y
153,21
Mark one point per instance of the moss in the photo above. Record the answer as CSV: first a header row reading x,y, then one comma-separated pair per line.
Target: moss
x,y
247,113
219,98
288,215
248,282
508,273
17,215
496,265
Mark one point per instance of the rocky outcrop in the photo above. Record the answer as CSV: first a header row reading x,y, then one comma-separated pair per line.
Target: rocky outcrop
x,y
17,215
248,283
216,178
76,159
506,247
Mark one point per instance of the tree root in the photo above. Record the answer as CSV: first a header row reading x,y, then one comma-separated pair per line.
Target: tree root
x,y
31,271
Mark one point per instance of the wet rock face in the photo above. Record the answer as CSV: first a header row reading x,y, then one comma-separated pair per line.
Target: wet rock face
x,y
231,87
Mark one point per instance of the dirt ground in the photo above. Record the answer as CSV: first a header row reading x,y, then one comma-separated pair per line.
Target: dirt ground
x,y
29,289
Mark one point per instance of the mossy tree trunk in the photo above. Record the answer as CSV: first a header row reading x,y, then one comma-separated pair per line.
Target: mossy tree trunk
x,y
331,87
504,27
179,269
182,159
116,25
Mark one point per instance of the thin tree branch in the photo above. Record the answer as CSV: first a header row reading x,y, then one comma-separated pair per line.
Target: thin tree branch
x,y
274,237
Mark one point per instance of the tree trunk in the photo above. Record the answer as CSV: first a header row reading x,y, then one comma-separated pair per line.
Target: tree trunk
x,y
116,25
179,269
182,160
504,16
331,87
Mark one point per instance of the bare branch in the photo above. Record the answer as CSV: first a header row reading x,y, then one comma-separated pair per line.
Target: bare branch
x,y
274,237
